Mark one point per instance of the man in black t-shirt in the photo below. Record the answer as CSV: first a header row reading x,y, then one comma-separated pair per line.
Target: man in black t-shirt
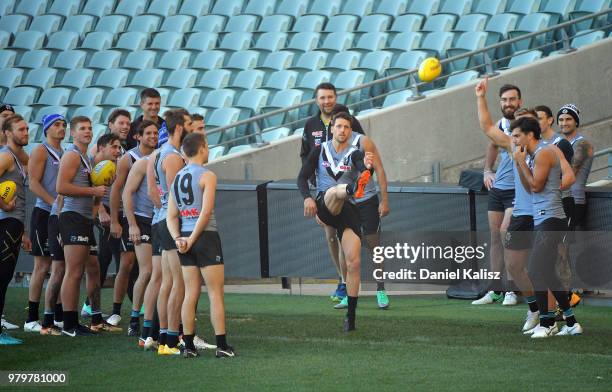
x,y
150,102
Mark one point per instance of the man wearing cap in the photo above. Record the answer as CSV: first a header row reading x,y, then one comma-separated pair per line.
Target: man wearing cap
x,y
42,171
5,112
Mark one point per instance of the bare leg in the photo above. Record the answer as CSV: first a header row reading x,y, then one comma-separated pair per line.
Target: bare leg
x,y
334,249
496,253
53,286
144,253
123,276
214,277
92,272
39,274
152,290
164,291
177,292
193,287
76,256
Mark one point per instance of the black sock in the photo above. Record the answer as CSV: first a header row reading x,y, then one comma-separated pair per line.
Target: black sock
x,y
155,326
96,318
71,320
188,339
172,339
221,341
357,159
163,338
180,328
32,311
146,332
47,320
59,313
134,320
352,306
498,292
380,286
116,308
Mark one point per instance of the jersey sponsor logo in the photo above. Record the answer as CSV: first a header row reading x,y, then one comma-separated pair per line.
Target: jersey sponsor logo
x,y
345,168
318,134
145,237
190,213
79,238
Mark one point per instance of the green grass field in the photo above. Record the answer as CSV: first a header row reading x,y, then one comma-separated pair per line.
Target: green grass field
x,y
296,343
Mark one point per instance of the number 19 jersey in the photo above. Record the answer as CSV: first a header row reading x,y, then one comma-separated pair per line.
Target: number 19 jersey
x,y
188,197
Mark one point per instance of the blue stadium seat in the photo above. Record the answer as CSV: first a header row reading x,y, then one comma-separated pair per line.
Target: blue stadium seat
x,y
343,61
65,7
177,23
525,58
373,23
392,7
28,40
70,59
280,23
272,135
218,118
437,43
214,79
303,42
242,23
80,24
439,22
240,148
146,78
111,78
248,80
7,58
524,7
202,41
9,78
404,62
115,24
33,135
374,64
311,79
559,10
341,23
97,41
500,25
131,41
195,8
467,42
530,24
98,8
587,37
62,40
404,42
174,60
460,78
163,8
406,23
31,7
309,23
210,23
41,78
397,98
228,7
325,7
456,7
281,99
46,24
180,79
215,152
370,42
14,23
90,96
236,41
6,7
24,111
337,42
166,41
489,7
208,60
293,8
185,97
349,79
589,7
5,39
310,61
271,42
223,98
471,22
251,101
140,59
121,97
34,59
105,59
277,61
94,113
241,60
424,7
54,109
131,8
280,80
56,96
358,8
144,23
260,8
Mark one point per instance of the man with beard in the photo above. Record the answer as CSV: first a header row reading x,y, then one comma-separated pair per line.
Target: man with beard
x,y
150,102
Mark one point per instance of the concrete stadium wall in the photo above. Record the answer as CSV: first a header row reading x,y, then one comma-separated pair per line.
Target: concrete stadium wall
x,y
444,128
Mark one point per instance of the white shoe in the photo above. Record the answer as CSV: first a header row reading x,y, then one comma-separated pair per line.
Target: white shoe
x,y
532,330
532,321
202,344
7,325
59,324
32,326
544,332
509,299
114,320
488,298
151,344
576,329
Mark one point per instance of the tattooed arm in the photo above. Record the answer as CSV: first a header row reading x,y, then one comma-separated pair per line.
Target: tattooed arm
x,y
584,150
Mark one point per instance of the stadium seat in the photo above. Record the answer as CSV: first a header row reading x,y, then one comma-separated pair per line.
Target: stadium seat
x,y
34,59
471,22
343,61
424,7
406,23
587,37
218,118
105,59
215,152
70,59
282,99
524,7
439,22
114,24
31,7
530,24
9,78
500,25
260,8
94,113
358,8
242,23
489,7
62,40
309,23
7,58
370,42
223,98
46,24
208,60
28,40
98,8
275,23
64,7
177,23
436,44
456,7
248,80
240,148
397,98
349,79
195,8
140,59
163,8
14,23
392,7
96,41
311,79
80,24
144,23
325,7
293,8
374,23
24,111
559,10
375,63
174,60
33,134
341,23
337,42
180,79
236,41
280,80
131,8
41,78
112,78
131,41
56,96
201,41
467,42
241,60
166,41
274,134
270,42
214,79
525,58
210,23
404,42
303,42
6,7
121,97
310,61
251,101
589,7
5,39
146,78
185,97
459,78
277,61
405,61
90,96
228,7
54,109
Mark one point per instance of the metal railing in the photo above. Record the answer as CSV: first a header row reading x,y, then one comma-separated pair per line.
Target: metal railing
x,y
600,153
555,38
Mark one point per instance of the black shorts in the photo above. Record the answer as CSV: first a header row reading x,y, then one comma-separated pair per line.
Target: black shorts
x,y
156,240
165,239
126,244
39,225
206,251
575,213
348,218
369,216
500,200
520,233
75,229
144,224
11,232
55,248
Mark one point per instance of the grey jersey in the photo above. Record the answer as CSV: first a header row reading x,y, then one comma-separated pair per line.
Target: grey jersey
x,y
80,204
20,177
143,206
335,167
188,197
370,189
547,203
49,178
578,189
160,178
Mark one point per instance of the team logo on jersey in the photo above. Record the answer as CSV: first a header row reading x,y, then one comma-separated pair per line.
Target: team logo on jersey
x,y
79,238
145,237
318,134
218,259
190,213
325,164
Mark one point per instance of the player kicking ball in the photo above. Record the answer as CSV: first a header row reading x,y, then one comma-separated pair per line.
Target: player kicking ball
x,y
191,223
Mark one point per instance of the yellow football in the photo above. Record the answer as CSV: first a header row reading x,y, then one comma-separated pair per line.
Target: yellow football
x,y
430,69
7,190
103,173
